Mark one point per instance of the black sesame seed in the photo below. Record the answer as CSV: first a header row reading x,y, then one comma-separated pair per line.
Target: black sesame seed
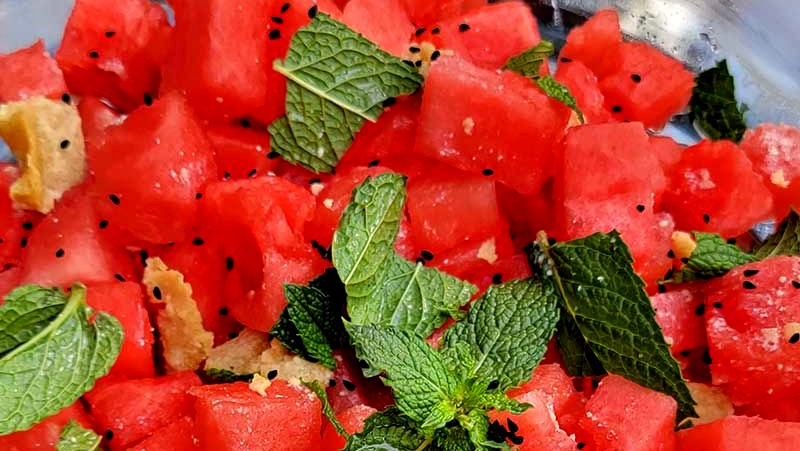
x,y
119,277
285,7
750,272
706,218
197,241
274,34
114,199
418,63
148,99
564,59
223,311
109,434
110,33
252,173
348,385
312,12
94,55
436,30
497,279
419,31
487,172
273,155
389,102
717,304
796,284
794,338
272,374
435,55
731,241
670,254
700,310
749,285
414,49
60,253
198,196
276,19
66,98
64,144
373,163
427,255
616,109
640,208
463,27
706,357
493,385
636,78
27,225
102,224
512,427
229,263
157,293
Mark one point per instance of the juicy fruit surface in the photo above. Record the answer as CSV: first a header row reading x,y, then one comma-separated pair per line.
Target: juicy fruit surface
x,y
774,151
30,72
737,433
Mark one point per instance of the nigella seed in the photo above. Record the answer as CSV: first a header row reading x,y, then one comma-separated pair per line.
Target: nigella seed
x,y
110,33
389,102
273,155
223,311
312,12
493,385
640,208
636,78
497,279
66,98
487,172
463,27
197,241
427,255
373,163
749,285
795,338
114,199
272,374
700,310
94,54
348,385
750,272
64,144
274,34
229,263
706,218
276,19
119,277
285,7
59,253
109,434
414,49
616,109
419,31
148,99
27,225
157,293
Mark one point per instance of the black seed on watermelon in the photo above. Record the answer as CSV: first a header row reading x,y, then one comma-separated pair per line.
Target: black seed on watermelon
x,y
435,55
581,445
273,155
564,59
436,30
706,357
60,253
285,7
197,241
796,284
731,241
274,34
229,263
27,225
487,172
700,310
414,49
233,335
143,256
685,353
717,304
332,383
517,440
272,374
223,311
66,98
616,109
706,218
750,272
497,279
640,208
114,199
662,288
276,19
419,31
794,338
94,54
148,99
418,63
512,427
245,123
226,175
64,144
389,102
670,254
636,78
410,63
312,12
427,255
749,285
119,277
109,434
157,293
373,163
198,196
551,241
252,173
348,385
463,27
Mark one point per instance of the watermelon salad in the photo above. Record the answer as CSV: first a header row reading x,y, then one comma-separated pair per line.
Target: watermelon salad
x,y
387,224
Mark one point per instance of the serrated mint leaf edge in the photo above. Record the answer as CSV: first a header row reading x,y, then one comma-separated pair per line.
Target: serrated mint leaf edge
x,y
75,437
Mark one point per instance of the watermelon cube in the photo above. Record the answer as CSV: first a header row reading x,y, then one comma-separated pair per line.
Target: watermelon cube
x,y
595,42
737,433
679,312
585,87
384,22
30,72
775,153
352,419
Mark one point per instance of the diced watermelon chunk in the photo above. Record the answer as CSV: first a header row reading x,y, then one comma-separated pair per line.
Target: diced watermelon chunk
x,y
125,302
114,50
585,87
736,433
775,153
240,152
622,415
15,224
46,433
231,417
713,189
153,164
133,410
96,118
594,43
667,151
350,388
384,22
473,260
425,12
30,72
176,436
9,279
487,37
679,312
646,85
352,419
483,122
753,325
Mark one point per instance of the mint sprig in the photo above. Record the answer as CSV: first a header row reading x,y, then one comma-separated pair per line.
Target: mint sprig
x,y
336,79
713,257
42,373
785,240
388,430
75,437
713,104
382,287
607,321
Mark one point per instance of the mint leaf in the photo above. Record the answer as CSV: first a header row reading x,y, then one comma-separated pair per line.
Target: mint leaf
x,y
785,241
454,439
561,93
713,104
382,287
327,410
75,438
529,62
417,373
336,79
222,376
311,325
53,368
507,331
388,431
28,309
607,308
713,257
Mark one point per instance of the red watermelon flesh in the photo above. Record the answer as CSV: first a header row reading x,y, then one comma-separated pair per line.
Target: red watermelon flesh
x,y
350,388
46,433
667,151
113,50
425,13
176,436
646,85
231,417
584,86
713,188
594,43
240,152
775,153
679,312
537,426
738,433
30,72
352,419
96,118
15,224
507,128
384,22
487,37
753,322
622,415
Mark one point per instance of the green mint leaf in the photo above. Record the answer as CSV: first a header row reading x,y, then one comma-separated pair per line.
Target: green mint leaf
x,y
611,313
53,368
327,410
561,93
501,401
785,241
336,79
417,373
713,257
311,325
507,331
453,439
222,376
714,106
28,309
382,287
388,431
75,438
529,62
